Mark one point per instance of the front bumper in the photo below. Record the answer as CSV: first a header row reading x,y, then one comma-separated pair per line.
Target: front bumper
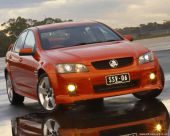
x,y
85,82
72,99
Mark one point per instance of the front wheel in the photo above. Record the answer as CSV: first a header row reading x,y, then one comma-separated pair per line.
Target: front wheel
x,y
51,128
14,98
154,93
45,94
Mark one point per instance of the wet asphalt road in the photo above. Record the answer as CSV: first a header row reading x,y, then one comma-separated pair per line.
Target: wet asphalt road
x,y
123,114
156,44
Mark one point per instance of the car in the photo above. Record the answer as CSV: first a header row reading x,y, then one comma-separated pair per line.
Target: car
x,y
71,62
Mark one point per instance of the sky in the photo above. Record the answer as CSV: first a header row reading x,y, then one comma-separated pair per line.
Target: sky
x,y
116,13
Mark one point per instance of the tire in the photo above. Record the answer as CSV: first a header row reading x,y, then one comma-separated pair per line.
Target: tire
x,y
153,93
14,98
45,94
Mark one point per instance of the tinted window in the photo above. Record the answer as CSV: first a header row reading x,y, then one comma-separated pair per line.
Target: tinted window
x,y
20,42
77,35
30,40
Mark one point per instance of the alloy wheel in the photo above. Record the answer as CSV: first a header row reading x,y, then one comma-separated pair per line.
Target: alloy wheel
x,y
51,128
46,94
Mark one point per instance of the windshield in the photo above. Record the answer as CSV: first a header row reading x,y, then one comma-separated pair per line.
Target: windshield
x,y
76,36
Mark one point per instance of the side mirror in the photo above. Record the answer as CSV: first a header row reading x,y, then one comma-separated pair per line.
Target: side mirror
x,y
26,52
128,37
10,47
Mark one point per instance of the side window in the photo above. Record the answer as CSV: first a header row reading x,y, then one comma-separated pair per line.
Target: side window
x,y
30,40
20,42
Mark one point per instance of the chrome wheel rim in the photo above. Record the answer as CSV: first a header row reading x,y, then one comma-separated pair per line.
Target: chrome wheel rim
x,y
9,89
51,128
46,94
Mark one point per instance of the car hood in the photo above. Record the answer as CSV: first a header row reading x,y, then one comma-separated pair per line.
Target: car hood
x,y
94,52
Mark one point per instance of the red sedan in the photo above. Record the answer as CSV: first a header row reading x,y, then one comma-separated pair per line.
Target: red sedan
x,y
76,61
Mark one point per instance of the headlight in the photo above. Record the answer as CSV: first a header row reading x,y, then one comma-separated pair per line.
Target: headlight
x,y
147,57
71,68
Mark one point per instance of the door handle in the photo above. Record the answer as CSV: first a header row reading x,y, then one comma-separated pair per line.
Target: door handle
x,y
20,59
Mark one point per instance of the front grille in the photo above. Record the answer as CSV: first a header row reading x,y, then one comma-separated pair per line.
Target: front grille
x,y
104,64
123,86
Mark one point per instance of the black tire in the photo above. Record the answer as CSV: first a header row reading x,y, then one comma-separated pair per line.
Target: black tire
x,y
14,98
50,91
153,93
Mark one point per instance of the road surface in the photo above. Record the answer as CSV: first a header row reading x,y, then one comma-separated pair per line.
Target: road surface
x,y
156,44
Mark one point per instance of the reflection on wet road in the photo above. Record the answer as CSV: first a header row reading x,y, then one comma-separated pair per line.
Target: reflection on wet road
x,y
108,119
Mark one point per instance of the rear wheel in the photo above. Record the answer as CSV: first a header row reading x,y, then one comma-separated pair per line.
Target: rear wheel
x,y
45,94
13,97
154,93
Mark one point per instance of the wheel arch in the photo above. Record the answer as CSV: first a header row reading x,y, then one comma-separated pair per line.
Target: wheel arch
x,y
41,71
45,68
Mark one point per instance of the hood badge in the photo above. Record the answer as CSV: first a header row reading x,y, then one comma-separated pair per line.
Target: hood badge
x,y
113,63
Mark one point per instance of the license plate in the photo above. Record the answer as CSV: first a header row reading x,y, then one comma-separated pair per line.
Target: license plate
x,y
117,79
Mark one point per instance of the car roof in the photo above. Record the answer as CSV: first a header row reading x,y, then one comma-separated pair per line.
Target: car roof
x,y
64,24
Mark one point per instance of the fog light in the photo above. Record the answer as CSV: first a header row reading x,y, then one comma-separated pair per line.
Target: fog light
x,y
158,127
152,76
71,89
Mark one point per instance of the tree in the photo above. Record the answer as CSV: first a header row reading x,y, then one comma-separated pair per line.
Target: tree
x,y
148,30
4,43
15,26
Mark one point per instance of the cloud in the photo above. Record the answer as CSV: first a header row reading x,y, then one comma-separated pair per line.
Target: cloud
x,y
117,13
14,4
